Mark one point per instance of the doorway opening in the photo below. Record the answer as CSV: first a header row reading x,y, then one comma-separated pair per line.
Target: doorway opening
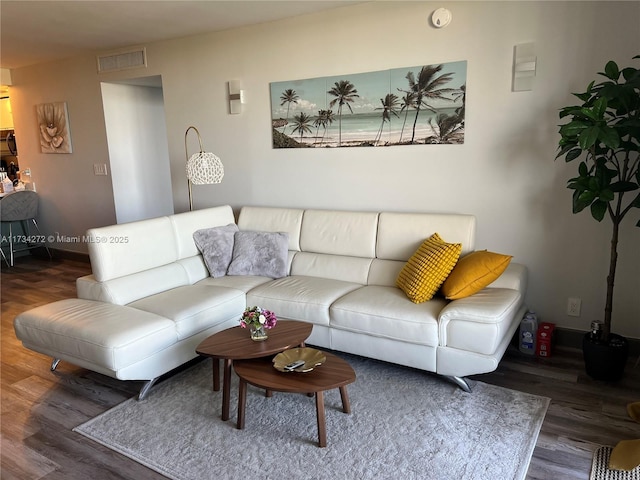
x,y
138,148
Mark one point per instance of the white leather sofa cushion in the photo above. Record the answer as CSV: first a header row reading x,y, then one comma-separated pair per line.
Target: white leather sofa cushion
x,y
339,233
336,267
113,336
384,312
129,288
384,272
195,308
120,250
271,219
300,298
400,234
478,323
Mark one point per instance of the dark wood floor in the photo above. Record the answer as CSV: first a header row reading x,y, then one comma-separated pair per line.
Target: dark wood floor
x,y
40,407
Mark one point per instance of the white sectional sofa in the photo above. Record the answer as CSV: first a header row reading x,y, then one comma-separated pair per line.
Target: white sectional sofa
x,y
150,299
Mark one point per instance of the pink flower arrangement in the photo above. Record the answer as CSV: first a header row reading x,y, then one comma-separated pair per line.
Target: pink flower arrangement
x,y
258,317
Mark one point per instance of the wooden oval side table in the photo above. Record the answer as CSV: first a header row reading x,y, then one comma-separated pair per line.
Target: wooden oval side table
x,y
333,373
235,344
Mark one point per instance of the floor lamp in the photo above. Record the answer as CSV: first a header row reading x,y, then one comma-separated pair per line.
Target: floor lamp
x,y
203,168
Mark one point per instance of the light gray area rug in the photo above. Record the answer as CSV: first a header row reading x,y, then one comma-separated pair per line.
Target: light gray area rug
x,y
404,424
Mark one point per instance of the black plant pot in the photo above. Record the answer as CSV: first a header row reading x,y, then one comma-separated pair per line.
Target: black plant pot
x,y
605,361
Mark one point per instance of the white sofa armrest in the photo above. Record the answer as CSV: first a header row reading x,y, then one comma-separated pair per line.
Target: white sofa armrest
x,y
478,323
514,277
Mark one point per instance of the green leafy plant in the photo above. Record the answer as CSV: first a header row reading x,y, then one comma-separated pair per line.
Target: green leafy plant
x,y
604,134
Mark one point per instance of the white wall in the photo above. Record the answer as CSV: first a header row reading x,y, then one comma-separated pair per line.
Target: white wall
x,y
505,173
137,140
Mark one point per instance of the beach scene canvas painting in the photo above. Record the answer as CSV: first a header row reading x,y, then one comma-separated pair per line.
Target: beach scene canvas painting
x,y
423,104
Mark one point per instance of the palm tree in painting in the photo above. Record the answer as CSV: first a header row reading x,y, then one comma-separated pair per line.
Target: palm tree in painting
x,y
301,124
447,127
289,96
327,119
462,94
428,86
345,93
389,106
408,101
319,122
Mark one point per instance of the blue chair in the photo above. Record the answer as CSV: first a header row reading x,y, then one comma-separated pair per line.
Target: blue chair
x,y
20,207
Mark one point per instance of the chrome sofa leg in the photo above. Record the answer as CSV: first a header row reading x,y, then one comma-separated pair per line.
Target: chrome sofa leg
x,y
54,364
145,388
459,381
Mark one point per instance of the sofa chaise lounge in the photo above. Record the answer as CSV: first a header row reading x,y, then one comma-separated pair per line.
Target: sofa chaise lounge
x,y
151,297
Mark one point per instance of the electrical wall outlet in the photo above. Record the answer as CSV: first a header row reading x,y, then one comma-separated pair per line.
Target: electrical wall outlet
x,y
573,307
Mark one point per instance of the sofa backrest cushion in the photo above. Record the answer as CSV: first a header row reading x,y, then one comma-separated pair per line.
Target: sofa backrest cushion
x,y
337,232
119,250
128,248
400,234
129,288
336,267
272,219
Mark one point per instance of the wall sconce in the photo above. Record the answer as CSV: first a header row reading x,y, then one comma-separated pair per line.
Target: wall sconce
x,y
203,168
524,67
236,97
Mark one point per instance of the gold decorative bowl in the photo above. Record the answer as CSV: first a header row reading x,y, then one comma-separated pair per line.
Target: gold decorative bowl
x,y
310,356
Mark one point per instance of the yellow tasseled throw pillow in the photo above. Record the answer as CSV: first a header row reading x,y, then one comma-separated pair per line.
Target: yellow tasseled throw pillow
x,y
473,272
427,268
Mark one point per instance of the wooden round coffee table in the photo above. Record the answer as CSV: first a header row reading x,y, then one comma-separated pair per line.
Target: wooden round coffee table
x,y
333,373
235,344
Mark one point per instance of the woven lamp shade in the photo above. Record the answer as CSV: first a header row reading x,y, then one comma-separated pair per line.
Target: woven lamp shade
x,y
204,168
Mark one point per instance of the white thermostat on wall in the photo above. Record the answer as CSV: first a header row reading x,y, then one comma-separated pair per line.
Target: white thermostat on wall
x,y
441,18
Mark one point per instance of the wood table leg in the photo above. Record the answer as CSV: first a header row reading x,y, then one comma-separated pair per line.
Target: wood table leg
x,y
216,374
226,389
322,428
242,401
346,405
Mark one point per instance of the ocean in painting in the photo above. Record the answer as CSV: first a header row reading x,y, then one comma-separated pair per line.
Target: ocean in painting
x,y
362,129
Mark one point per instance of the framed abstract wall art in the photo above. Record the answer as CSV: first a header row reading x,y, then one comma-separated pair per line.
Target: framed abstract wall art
x,y
423,104
53,127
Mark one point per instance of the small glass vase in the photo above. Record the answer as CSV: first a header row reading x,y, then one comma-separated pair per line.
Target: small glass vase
x,y
258,334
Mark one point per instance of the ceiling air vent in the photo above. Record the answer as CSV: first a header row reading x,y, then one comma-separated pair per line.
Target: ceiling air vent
x,y
122,60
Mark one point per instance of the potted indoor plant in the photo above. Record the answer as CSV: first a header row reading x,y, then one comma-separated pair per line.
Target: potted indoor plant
x,y
603,133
